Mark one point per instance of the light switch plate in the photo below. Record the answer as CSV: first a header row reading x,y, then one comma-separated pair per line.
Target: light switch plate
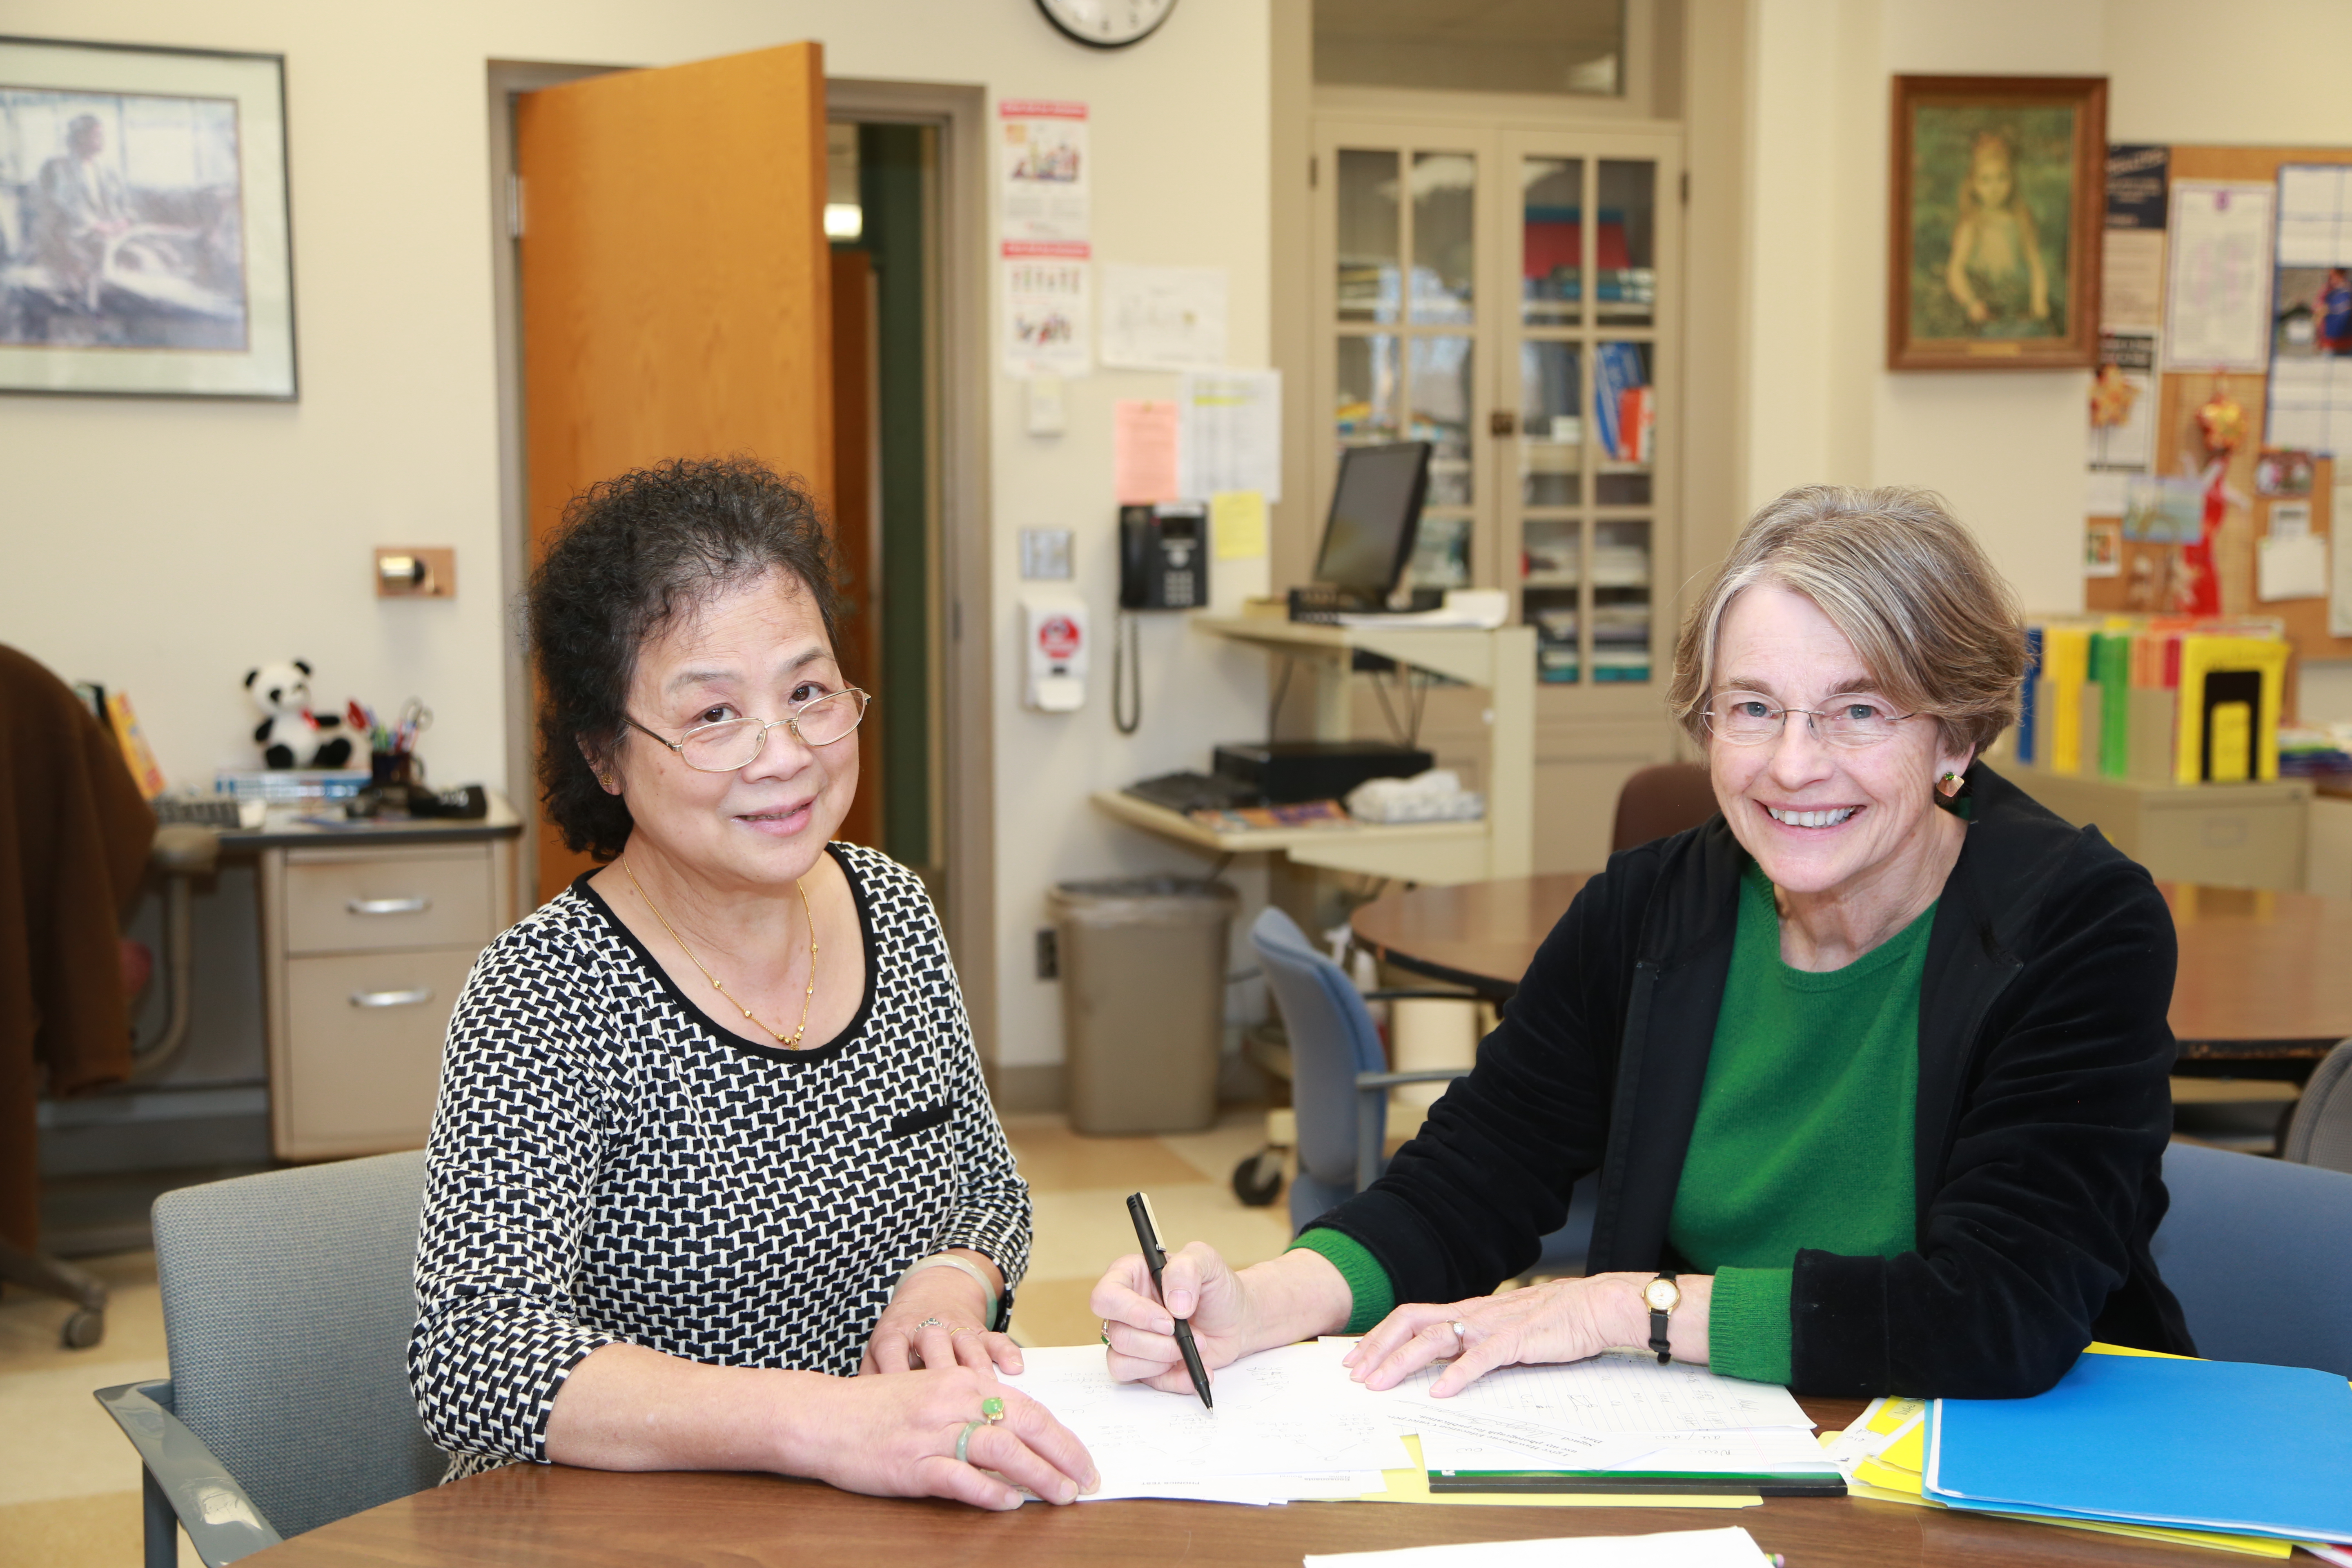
x,y
1046,412
1045,555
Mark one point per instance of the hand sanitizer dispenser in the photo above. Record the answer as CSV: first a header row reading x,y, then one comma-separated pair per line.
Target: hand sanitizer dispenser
x,y
1054,633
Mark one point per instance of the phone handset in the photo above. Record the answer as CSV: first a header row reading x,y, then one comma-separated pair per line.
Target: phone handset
x,y
1163,564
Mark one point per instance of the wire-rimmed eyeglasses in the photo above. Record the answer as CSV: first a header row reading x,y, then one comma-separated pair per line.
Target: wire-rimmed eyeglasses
x,y
734,743
1851,720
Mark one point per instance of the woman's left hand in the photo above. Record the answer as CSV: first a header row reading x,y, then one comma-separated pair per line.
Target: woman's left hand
x,y
934,1320
1562,1320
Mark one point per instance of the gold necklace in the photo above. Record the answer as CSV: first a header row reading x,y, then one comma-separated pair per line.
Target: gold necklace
x,y
790,1042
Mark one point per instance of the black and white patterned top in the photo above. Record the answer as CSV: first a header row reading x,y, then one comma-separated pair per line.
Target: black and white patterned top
x,y
607,1164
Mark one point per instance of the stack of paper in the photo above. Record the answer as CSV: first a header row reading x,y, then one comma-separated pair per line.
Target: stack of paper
x,y
1288,1426
1616,1422
1728,1548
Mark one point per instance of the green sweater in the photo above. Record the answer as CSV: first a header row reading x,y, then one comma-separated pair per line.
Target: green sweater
x,y
1803,1137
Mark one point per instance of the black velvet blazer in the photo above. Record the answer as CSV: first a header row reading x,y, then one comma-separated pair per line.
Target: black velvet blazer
x,y
2043,1110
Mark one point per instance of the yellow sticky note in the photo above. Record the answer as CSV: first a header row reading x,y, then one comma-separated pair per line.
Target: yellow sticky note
x,y
1237,522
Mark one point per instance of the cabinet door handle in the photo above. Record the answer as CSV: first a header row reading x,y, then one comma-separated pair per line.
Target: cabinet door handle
x,y
392,998
411,906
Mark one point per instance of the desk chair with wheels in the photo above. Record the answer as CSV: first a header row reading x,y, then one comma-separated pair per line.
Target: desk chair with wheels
x,y
1340,1085
288,1302
2259,1253
2320,1130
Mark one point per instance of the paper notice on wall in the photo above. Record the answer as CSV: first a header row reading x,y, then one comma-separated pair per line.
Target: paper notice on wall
x,y
1143,451
1163,318
1232,435
2294,567
2122,403
2218,293
1044,170
1046,308
2131,279
2310,405
1237,523
2339,570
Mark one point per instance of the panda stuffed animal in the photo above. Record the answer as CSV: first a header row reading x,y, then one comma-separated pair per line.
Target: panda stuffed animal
x,y
290,735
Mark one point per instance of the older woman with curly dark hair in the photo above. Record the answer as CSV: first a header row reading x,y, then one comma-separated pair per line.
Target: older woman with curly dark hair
x,y
712,1137
1872,1066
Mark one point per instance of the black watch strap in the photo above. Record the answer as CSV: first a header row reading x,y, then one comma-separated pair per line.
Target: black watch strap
x,y
1658,1326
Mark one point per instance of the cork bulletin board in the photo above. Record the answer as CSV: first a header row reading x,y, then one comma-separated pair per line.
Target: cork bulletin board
x,y
2139,584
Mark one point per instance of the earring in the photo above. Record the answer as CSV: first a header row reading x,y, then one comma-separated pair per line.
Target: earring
x,y
1949,785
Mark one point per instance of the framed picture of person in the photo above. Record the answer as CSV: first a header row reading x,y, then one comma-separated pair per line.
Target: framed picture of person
x,y
145,243
1998,204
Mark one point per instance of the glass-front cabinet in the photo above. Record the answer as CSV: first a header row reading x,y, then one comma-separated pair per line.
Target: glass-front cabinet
x,y
1506,295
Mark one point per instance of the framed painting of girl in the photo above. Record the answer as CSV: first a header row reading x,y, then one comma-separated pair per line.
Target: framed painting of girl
x,y
1998,199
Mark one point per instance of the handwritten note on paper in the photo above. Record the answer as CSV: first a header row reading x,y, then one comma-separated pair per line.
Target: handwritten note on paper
x,y
1616,1391
1143,451
1286,1413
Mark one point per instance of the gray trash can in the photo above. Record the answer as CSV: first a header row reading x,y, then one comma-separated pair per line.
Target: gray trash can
x,y
1143,1000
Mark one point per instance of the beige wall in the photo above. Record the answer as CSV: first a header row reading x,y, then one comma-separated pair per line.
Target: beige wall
x,y
165,547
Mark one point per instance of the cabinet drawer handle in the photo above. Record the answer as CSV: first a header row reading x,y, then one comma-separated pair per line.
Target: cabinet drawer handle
x,y
392,998
411,906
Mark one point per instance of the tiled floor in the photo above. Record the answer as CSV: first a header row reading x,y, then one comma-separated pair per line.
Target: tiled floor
x,y
69,1484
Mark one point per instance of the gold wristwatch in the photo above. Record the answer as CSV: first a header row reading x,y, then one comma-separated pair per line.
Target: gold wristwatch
x,y
1662,1296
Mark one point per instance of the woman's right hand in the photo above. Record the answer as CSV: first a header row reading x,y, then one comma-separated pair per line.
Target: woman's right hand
x,y
896,1436
1201,1288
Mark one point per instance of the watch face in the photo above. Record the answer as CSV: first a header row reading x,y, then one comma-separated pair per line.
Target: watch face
x,y
1106,24
1663,1295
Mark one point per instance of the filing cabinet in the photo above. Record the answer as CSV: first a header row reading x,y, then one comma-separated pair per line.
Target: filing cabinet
x,y
366,941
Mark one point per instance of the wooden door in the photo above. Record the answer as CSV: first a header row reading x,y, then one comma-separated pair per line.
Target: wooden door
x,y
677,286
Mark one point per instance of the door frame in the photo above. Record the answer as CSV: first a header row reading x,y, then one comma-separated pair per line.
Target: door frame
x,y
959,113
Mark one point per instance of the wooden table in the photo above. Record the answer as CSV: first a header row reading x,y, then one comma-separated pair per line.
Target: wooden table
x,y
553,1514
2263,974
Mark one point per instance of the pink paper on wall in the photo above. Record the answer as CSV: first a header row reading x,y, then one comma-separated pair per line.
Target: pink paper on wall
x,y
1143,450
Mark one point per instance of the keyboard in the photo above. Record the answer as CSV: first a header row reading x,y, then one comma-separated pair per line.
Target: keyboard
x,y
216,811
1195,792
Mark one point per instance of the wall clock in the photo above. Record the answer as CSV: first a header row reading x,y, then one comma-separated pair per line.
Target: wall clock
x,y
1106,24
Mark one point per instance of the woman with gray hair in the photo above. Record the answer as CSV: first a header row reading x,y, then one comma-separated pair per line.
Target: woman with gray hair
x,y
1873,1065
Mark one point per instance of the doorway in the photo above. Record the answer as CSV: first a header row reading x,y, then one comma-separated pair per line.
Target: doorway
x,y
923,524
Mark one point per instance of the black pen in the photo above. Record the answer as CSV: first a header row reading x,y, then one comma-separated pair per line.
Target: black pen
x,y
1155,1257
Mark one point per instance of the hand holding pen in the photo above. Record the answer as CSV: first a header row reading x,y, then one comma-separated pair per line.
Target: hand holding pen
x,y
1155,1258
1139,1318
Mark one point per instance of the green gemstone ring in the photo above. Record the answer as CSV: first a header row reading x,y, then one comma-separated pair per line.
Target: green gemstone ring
x,y
993,1408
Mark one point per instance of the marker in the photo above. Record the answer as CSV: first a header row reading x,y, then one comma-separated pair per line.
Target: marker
x,y
1155,1257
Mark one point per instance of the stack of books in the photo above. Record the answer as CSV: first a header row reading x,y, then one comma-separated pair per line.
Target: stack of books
x,y
2159,700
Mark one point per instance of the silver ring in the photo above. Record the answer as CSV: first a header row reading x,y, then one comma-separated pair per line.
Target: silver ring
x,y
1461,1333
929,1324
963,1440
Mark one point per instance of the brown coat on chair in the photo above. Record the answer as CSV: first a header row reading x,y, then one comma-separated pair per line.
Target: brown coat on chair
x,y
74,837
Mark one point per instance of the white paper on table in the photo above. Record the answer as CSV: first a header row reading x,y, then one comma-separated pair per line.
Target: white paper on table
x,y
2218,296
1230,437
1290,1412
1617,1392
2294,567
1164,318
1702,1453
1731,1547
1859,1442
1464,1440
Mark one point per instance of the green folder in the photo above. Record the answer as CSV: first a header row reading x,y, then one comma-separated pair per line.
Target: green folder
x,y
2110,667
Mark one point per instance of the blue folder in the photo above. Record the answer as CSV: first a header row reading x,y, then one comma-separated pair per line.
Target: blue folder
x,y
2199,1444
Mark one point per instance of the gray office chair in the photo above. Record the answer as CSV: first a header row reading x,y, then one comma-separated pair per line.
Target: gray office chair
x,y
2320,1131
1340,1085
2259,1254
288,1302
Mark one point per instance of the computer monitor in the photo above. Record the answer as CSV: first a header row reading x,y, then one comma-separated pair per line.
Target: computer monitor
x,y
1375,512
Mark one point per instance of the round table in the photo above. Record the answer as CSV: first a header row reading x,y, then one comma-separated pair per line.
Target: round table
x,y
2263,974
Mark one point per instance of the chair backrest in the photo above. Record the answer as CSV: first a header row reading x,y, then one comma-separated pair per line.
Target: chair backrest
x,y
2320,1130
1332,1039
1659,801
288,1302
2259,1254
